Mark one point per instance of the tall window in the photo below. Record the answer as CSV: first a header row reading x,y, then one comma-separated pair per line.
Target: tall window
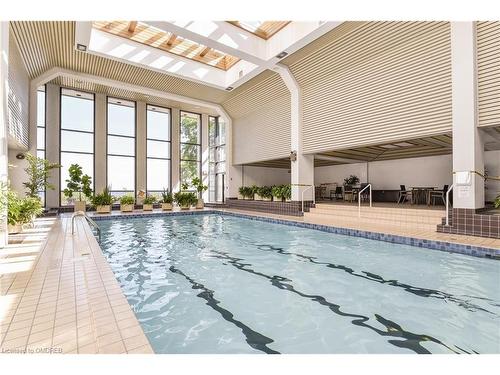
x,y
190,146
158,143
77,134
217,159
40,130
121,146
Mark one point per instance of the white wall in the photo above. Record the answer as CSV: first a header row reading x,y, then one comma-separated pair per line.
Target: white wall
x,y
262,176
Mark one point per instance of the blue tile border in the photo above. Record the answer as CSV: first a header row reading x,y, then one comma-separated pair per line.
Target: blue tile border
x,y
477,251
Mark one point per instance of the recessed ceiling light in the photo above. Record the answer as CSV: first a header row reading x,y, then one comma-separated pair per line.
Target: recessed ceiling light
x,y
81,47
229,88
118,102
78,95
281,55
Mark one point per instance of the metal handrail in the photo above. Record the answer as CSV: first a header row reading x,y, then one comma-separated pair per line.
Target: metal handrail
x,y
91,222
303,191
359,198
447,204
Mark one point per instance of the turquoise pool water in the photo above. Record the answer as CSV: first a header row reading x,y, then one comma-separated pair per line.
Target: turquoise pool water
x,y
224,284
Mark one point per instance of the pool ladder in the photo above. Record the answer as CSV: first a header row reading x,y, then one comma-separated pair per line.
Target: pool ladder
x,y
91,222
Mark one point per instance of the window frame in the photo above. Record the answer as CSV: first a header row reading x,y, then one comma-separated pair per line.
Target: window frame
x,y
159,140
216,147
44,127
61,129
199,145
134,192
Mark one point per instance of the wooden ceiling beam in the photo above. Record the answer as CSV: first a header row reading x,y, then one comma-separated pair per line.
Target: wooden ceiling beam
x,y
171,40
131,26
205,51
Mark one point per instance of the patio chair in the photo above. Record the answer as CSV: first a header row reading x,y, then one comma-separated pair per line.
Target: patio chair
x,y
404,195
349,193
337,193
365,195
439,194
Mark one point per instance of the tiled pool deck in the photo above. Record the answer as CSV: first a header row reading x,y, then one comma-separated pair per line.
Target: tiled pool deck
x,y
59,295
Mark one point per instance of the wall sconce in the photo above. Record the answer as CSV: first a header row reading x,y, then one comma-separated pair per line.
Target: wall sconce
x,y
293,155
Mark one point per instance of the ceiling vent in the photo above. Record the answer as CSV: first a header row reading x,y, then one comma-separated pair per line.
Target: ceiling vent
x,y
281,55
229,88
81,47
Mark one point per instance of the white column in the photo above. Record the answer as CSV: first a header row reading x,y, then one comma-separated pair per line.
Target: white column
x,y
100,159
140,157
468,145
204,153
52,146
176,118
4,158
303,166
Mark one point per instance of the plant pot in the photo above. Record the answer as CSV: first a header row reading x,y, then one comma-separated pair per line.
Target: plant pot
x,y
288,200
240,196
185,207
126,207
80,206
268,199
147,207
257,197
248,198
276,199
105,209
16,228
200,203
166,206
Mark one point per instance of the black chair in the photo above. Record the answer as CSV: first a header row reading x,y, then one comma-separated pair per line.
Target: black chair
x,y
404,194
349,193
365,195
337,194
440,194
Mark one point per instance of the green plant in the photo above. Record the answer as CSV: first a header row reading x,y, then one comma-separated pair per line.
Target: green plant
x,y
38,171
13,207
277,191
265,191
78,183
351,180
184,186
22,210
286,192
184,199
150,199
255,189
166,197
198,185
496,203
246,191
103,199
127,199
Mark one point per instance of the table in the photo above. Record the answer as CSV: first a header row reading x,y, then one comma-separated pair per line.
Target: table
x,y
419,193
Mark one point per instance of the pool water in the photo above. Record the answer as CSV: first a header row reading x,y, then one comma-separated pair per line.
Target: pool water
x,y
224,284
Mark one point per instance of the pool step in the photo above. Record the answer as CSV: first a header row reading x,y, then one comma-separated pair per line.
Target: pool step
x,y
375,216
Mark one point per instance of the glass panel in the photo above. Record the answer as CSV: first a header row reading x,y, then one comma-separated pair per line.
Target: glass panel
x,y
190,132
220,167
41,194
84,160
121,145
77,113
76,141
121,120
212,130
222,132
211,168
157,149
40,154
220,188
40,138
211,188
40,108
190,152
158,125
221,154
211,154
121,173
158,174
189,170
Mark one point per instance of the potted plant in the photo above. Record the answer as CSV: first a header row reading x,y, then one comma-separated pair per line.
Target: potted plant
x,y
78,183
286,192
256,195
246,192
496,203
276,192
38,171
241,191
21,211
103,201
185,199
351,180
127,203
200,188
266,193
147,203
166,200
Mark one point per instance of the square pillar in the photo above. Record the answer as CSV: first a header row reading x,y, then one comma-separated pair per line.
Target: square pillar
x,y
140,157
4,157
52,147
204,153
175,162
100,139
468,144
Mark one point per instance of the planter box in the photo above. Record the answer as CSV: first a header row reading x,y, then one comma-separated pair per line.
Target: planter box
x,y
240,196
267,199
166,206
80,206
126,207
257,197
17,228
200,204
106,209
276,199
185,207
147,207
